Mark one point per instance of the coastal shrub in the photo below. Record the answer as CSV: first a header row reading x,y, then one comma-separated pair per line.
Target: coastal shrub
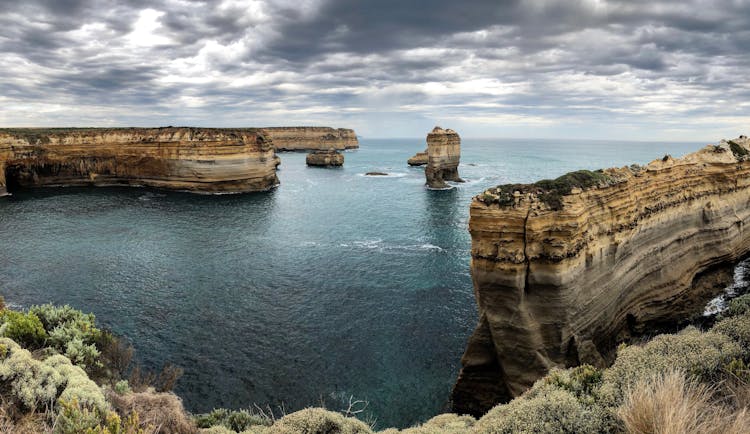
x,y
582,381
737,306
71,332
318,421
26,329
30,383
737,328
74,418
550,410
162,411
738,150
237,420
671,403
444,424
549,191
696,353
122,387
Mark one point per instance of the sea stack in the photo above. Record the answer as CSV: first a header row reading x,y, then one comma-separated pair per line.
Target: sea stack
x,y
443,155
565,270
419,159
328,158
200,160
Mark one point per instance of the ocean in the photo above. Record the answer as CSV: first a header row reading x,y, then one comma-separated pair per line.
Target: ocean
x,y
333,286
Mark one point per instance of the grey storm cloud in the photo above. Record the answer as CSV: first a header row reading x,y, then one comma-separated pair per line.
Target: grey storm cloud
x,y
649,68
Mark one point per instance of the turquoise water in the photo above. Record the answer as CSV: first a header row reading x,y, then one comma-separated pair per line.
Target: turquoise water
x,y
333,285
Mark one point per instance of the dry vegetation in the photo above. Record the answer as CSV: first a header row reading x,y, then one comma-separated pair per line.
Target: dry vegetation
x,y
59,373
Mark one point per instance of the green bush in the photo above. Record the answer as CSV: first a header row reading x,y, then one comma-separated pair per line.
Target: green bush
x,y
31,383
739,151
697,353
318,421
444,424
72,333
582,381
25,329
237,420
737,328
550,410
737,306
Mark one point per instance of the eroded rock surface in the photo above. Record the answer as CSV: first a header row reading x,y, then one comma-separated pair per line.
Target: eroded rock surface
x,y
325,158
565,270
202,160
443,155
419,159
312,138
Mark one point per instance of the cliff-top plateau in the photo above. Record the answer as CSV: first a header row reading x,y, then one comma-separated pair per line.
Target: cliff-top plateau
x,y
201,160
564,270
312,138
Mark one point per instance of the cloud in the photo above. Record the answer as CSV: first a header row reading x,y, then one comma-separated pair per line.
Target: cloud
x,y
494,67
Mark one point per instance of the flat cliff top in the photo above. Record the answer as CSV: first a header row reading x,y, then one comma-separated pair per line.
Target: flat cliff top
x,y
27,133
549,193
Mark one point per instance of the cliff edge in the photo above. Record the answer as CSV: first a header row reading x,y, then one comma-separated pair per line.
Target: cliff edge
x,y
312,138
202,160
566,269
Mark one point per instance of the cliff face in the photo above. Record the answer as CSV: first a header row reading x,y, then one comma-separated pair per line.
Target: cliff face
x,y
312,138
443,155
564,270
193,159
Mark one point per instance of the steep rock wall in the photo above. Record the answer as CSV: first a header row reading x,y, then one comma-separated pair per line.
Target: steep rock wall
x,y
200,160
443,155
312,138
565,270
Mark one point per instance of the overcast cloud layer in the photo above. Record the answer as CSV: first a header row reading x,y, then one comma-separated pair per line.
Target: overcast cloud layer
x,y
390,68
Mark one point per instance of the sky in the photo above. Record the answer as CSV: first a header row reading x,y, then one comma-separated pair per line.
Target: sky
x,y
624,69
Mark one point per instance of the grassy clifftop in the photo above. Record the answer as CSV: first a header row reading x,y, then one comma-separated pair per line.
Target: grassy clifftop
x,y
60,373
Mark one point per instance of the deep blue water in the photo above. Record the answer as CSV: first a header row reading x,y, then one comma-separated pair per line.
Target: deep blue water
x,y
334,284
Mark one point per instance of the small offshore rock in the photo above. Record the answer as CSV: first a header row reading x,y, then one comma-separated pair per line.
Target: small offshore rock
x,y
330,158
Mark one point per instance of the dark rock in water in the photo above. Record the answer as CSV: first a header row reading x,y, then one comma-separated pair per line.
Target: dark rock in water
x,y
376,174
325,158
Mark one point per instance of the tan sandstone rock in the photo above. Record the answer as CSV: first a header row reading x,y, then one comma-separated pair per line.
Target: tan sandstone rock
x,y
565,270
202,160
312,138
325,158
443,155
419,159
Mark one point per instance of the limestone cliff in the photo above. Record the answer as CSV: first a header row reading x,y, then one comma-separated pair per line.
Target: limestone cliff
x,y
419,159
443,155
566,269
201,160
312,138
325,158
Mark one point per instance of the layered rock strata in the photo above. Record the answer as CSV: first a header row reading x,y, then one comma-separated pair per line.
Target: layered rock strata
x,y
202,160
419,159
312,138
443,155
564,270
325,158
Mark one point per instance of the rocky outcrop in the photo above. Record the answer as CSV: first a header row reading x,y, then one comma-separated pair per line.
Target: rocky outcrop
x,y
564,270
202,160
419,159
325,158
443,155
312,138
